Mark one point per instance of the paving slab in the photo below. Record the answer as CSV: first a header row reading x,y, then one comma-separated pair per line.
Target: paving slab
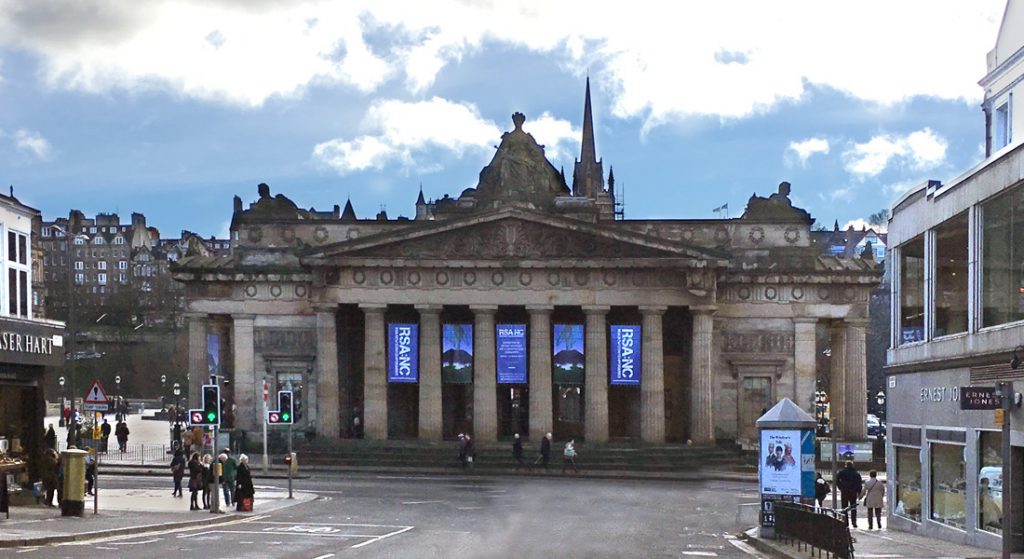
x,y
878,544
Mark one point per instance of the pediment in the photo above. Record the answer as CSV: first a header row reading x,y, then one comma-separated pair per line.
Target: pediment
x,y
512,234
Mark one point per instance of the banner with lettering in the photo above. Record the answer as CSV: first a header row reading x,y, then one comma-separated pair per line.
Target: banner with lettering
x,y
567,354
403,353
511,353
457,354
625,355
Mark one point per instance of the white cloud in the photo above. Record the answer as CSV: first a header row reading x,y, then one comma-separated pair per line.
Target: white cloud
x,y
404,133
658,61
803,150
858,225
32,143
920,151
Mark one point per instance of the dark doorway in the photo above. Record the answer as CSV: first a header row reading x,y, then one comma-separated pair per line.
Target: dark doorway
x,y
677,326
513,410
457,409
569,405
351,351
403,411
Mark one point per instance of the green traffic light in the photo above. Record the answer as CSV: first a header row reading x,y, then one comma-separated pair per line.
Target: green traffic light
x,y
211,416
284,417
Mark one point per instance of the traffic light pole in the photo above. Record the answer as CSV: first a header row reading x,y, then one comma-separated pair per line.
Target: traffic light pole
x,y
266,458
291,459
215,496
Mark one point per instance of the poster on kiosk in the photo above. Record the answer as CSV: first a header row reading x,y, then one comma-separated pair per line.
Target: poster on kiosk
x,y
785,465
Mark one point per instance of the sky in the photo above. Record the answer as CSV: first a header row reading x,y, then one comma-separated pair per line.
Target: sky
x,y
172,107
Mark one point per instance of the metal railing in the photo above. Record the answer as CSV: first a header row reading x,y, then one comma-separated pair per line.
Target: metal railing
x,y
824,530
134,453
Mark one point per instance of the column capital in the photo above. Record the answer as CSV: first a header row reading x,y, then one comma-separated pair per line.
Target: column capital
x,y
805,320
484,309
596,309
242,316
540,309
428,308
373,307
653,309
703,309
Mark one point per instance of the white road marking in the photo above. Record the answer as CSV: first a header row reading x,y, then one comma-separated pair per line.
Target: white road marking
x,y
879,555
153,540
414,477
470,508
745,548
375,540
27,549
701,553
420,502
326,556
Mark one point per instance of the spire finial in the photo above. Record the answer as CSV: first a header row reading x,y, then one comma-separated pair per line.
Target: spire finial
x,y
588,153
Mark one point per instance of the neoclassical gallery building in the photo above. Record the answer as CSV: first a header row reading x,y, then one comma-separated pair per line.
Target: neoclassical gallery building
x,y
527,305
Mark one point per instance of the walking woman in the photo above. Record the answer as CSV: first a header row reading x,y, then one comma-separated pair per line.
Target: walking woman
x,y
177,471
243,484
195,480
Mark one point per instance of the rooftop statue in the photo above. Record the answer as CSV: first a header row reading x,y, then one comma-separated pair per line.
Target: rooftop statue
x,y
776,207
519,172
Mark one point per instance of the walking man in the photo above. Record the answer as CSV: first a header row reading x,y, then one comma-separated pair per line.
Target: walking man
x,y
850,485
545,451
517,451
227,480
51,438
874,494
121,432
104,435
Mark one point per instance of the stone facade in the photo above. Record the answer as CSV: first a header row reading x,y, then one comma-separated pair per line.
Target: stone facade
x,y
727,309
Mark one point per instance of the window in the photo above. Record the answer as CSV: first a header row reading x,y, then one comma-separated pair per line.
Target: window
x,y
18,286
908,483
911,291
951,276
101,279
119,240
98,240
1003,258
102,264
122,265
79,265
990,481
46,231
1002,133
949,485
92,230
123,278
79,279
79,240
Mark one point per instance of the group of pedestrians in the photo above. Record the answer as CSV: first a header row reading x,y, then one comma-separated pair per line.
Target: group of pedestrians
x,y
853,490
235,479
569,454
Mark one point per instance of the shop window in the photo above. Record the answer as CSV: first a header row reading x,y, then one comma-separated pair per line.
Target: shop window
x,y
908,483
1002,135
990,482
1003,258
949,485
951,276
911,291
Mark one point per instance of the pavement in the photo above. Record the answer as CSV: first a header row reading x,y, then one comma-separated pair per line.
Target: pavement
x,y
127,511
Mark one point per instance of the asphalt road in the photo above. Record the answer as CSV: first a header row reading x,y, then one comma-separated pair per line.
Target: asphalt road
x,y
451,517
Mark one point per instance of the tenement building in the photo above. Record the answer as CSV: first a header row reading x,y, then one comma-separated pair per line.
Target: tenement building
x,y
526,305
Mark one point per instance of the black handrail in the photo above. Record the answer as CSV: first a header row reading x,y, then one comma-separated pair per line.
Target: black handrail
x,y
823,529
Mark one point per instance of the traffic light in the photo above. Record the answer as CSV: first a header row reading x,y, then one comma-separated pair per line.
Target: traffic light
x,y
210,412
285,412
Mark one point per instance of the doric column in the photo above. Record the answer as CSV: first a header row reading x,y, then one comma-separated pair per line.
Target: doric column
x,y
596,418
702,404
805,369
430,372
485,406
540,371
855,403
652,383
247,415
375,382
837,377
328,422
197,367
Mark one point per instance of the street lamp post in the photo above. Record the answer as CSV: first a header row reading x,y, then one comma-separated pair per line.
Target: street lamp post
x,y
163,390
63,399
177,402
117,406
880,400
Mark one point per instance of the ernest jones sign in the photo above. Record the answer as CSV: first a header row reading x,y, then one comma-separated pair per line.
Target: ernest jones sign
x,y
979,398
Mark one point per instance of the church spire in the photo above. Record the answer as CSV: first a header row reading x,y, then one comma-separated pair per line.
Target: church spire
x,y
588,153
349,213
588,176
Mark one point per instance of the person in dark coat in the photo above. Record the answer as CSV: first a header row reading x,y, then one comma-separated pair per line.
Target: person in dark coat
x,y
243,482
50,463
850,485
517,451
195,480
470,452
51,438
72,433
462,450
121,432
104,435
821,490
207,479
176,435
545,451
177,471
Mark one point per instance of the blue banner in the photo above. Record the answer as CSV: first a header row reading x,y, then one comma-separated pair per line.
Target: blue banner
x,y
625,355
568,360
403,353
457,354
511,353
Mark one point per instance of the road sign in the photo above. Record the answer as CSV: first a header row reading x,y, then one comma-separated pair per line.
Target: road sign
x,y
196,417
95,399
275,417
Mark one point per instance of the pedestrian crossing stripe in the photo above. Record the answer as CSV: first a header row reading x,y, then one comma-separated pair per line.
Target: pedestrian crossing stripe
x,y
96,395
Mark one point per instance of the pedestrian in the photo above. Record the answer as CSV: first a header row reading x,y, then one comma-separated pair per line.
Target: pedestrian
x,y
90,471
67,416
462,450
243,484
60,479
186,441
121,432
821,490
850,485
48,474
470,451
229,469
545,451
195,480
207,479
176,435
569,456
357,424
51,438
197,439
177,471
517,451
874,494
105,435
72,430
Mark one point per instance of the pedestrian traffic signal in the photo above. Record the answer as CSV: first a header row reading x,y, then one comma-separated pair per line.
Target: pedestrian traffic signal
x,y
210,412
285,412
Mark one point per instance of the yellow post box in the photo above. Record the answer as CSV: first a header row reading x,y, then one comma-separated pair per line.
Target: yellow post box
x,y
73,464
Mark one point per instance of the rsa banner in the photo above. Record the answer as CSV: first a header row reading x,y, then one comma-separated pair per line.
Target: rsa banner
x,y
511,354
403,353
625,357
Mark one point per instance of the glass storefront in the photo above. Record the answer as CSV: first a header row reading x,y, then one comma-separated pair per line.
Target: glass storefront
x,y
951,276
949,485
908,483
990,482
1003,258
911,291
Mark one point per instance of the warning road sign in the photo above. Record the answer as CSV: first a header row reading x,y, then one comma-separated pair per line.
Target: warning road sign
x,y
95,399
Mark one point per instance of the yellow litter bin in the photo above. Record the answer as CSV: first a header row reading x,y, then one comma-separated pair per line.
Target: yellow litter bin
x,y
74,482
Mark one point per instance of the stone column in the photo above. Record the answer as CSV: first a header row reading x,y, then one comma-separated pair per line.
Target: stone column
x,y
596,418
430,372
837,377
328,423
198,372
855,403
375,382
652,383
702,397
247,415
485,406
541,419
805,370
